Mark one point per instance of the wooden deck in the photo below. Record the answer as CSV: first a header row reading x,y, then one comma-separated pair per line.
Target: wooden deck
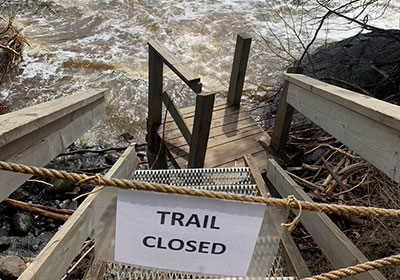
x,y
233,133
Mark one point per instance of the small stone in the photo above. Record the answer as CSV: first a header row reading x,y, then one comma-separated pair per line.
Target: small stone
x,y
5,243
314,156
112,157
21,224
64,204
11,267
60,186
141,154
39,223
19,194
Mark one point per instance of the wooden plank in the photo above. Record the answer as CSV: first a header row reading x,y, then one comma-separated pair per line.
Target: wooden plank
x,y
219,116
189,111
177,67
201,130
228,126
217,138
371,139
58,124
233,150
220,124
239,66
260,158
256,175
338,249
20,123
220,144
96,270
57,255
381,111
295,263
154,110
177,116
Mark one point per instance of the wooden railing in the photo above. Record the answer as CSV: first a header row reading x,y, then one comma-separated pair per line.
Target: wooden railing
x,y
368,126
37,134
197,139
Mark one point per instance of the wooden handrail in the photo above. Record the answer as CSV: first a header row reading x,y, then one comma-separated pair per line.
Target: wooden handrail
x,y
368,126
177,67
198,138
177,116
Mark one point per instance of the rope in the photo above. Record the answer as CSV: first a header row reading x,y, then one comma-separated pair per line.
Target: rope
x,y
131,184
292,225
356,269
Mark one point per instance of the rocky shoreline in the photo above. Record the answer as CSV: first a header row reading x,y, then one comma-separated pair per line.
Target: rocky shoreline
x,y
22,234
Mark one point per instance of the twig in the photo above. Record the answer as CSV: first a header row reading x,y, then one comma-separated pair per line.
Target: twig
x,y
83,151
41,182
9,49
36,209
353,188
335,149
353,167
305,182
334,175
78,262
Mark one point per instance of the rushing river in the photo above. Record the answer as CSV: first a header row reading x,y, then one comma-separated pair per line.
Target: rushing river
x,y
75,45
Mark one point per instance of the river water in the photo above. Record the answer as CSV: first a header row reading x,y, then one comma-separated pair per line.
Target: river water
x,y
75,45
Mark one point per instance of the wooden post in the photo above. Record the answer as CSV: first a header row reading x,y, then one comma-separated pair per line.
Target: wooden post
x,y
238,73
155,151
283,118
201,129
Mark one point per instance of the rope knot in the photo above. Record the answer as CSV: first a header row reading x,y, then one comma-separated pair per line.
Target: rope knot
x,y
96,176
292,203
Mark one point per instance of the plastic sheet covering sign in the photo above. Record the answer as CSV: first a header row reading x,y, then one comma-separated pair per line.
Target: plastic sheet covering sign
x,y
184,233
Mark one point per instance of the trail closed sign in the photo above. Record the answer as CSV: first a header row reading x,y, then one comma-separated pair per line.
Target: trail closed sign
x,y
183,233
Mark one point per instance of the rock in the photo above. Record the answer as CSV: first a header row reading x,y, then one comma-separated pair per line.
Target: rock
x,y
112,157
11,267
5,243
4,109
314,156
21,224
19,194
368,60
60,186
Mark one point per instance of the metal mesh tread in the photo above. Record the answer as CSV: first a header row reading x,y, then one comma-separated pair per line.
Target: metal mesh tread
x,y
230,180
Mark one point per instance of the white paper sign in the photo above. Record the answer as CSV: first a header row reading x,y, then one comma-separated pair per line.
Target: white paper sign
x,y
184,233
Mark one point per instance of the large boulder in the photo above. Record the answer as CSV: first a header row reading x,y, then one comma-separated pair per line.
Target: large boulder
x,y
370,61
